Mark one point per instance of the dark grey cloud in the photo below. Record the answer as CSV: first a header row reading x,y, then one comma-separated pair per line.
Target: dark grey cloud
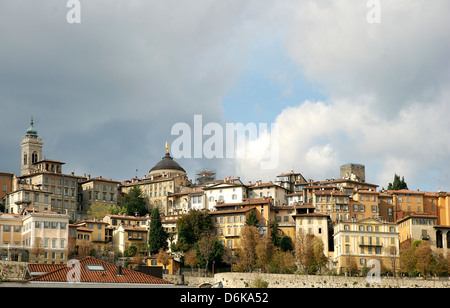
x,y
104,93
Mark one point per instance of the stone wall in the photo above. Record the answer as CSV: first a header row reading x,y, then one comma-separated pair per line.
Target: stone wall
x,y
12,270
245,280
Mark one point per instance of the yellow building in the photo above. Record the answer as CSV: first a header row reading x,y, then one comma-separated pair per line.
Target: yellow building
x,y
34,237
330,201
386,206
284,216
364,204
443,209
98,234
171,269
362,240
229,221
406,201
308,222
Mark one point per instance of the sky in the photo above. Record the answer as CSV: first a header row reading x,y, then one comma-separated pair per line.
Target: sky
x,y
106,92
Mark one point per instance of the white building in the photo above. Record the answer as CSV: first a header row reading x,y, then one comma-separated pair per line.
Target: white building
x,y
226,191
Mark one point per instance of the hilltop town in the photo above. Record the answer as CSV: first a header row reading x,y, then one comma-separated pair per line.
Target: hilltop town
x,y
48,217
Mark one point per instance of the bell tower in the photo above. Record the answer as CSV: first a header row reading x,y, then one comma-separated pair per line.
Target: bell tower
x,y
31,150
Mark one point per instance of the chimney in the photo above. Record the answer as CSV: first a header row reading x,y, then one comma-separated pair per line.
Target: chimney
x,y
119,270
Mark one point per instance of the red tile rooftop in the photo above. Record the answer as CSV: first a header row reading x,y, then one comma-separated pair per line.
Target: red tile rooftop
x,y
97,271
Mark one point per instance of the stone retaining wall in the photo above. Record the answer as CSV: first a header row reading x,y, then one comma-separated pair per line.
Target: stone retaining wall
x,y
245,280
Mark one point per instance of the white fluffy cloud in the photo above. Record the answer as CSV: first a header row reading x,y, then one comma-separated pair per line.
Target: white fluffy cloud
x,y
388,90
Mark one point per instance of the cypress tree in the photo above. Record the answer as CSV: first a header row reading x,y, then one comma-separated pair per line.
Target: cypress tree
x,y
157,236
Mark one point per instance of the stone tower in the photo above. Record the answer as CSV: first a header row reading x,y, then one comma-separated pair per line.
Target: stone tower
x,y
31,150
354,172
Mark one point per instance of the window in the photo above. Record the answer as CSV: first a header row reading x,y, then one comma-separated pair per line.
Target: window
x,y
98,267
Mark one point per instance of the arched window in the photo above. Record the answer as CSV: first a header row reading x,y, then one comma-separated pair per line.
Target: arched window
x,y
25,159
34,157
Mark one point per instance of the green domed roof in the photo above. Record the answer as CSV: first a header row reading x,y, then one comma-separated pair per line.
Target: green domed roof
x,y
31,131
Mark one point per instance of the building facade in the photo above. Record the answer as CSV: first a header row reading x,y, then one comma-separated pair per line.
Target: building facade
x,y
362,240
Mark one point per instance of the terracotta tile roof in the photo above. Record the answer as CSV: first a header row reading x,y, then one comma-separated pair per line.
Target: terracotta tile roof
x,y
41,268
108,275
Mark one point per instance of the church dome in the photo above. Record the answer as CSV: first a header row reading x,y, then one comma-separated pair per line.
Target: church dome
x,y
167,163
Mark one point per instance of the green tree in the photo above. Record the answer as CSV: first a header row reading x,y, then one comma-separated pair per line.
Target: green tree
x,y
134,202
286,243
251,220
98,210
274,232
398,183
117,210
157,235
191,227
131,251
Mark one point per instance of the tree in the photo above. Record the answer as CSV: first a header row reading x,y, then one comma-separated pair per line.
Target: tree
x,y
163,258
320,260
424,258
282,262
131,251
264,251
408,259
286,243
440,266
190,228
98,210
393,258
249,238
117,210
206,247
191,259
274,231
304,252
134,202
352,268
229,257
157,235
252,219
38,248
398,183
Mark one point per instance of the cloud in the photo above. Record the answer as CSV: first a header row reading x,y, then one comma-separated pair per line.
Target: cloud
x,y
398,61
316,138
388,88
104,93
